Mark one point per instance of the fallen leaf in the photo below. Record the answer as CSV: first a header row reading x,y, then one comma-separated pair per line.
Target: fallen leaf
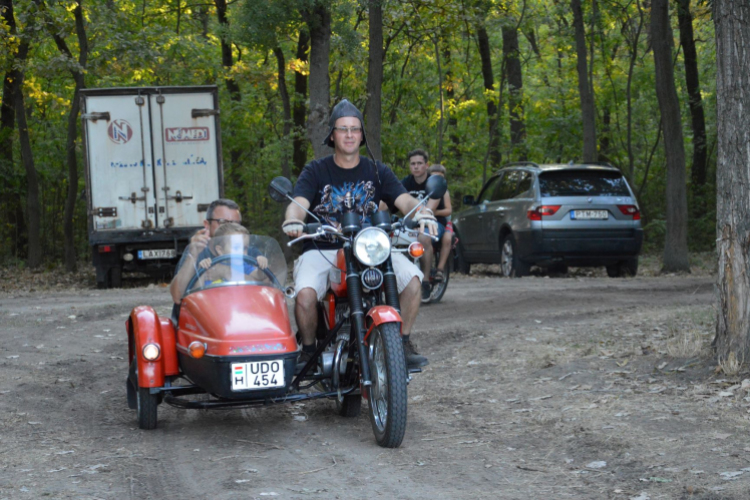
x,y
721,436
731,475
597,465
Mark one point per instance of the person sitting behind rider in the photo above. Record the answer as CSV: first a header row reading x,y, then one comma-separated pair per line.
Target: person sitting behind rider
x,y
232,238
442,214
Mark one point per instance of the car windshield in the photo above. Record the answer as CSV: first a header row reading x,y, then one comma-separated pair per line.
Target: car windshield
x,y
582,183
238,260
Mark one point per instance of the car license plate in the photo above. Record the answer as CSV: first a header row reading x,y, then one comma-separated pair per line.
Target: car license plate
x,y
590,215
257,375
162,253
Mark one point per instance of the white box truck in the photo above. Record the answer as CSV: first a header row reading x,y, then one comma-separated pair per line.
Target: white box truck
x,y
153,164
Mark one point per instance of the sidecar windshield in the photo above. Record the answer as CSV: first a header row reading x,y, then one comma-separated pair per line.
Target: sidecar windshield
x,y
238,260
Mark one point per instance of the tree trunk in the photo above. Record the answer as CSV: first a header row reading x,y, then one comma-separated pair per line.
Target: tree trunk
x,y
733,178
698,120
13,212
227,60
70,143
300,95
675,247
489,88
633,37
588,111
515,93
450,95
284,94
319,23
33,215
373,107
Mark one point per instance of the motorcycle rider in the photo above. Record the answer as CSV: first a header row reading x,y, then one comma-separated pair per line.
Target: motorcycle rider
x,y
346,181
416,185
219,212
442,214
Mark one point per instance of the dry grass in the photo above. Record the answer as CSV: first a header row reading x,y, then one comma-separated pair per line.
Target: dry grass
x,y
731,365
684,342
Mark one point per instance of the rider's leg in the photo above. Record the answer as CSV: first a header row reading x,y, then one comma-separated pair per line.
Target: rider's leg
x,y
409,299
445,249
306,314
426,258
310,281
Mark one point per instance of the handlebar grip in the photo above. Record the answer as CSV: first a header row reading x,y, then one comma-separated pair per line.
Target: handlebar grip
x,y
410,223
312,228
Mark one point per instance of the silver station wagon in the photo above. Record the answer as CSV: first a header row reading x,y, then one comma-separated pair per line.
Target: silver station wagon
x,y
551,216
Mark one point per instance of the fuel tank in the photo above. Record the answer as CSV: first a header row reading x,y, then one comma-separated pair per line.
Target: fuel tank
x,y
237,320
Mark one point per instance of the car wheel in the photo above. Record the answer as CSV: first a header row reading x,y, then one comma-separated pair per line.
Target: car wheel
x,y
462,266
623,269
510,265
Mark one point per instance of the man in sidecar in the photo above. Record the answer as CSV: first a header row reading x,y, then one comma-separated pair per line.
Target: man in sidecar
x,y
219,212
345,180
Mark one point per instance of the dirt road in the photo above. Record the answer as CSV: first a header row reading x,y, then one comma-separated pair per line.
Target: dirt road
x,y
537,388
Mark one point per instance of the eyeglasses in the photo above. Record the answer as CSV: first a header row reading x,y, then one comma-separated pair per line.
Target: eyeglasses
x,y
349,130
223,221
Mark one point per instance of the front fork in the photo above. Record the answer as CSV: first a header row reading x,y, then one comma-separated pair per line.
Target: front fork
x,y
354,288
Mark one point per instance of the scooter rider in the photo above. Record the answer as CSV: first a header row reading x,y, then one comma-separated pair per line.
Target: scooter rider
x,y
346,181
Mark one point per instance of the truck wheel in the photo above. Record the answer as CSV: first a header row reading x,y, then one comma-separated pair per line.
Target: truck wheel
x,y
115,277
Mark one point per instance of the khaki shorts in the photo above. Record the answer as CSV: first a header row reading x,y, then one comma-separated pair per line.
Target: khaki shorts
x,y
312,268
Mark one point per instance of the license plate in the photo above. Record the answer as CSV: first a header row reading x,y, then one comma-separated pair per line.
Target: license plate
x,y
257,375
590,215
162,253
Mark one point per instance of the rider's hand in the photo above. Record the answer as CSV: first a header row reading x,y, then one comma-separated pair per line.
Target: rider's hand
x,y
205,263
293,228
199,241
262,262
426,220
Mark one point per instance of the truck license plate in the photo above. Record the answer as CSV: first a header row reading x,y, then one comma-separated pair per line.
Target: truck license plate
x,y
590,214
162,253
257,375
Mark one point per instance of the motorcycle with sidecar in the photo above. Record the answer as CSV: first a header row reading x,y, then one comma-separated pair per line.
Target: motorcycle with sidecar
x,y
229,343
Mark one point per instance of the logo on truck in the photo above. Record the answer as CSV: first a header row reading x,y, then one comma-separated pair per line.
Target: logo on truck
x,y
119,131
182,134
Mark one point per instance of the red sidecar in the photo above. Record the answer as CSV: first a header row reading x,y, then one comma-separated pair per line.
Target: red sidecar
x,y
229,338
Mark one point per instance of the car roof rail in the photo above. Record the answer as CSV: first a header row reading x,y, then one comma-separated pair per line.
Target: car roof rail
x,y
521,164
598,163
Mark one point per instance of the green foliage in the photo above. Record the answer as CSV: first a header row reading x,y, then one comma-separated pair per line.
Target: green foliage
x,y
174,42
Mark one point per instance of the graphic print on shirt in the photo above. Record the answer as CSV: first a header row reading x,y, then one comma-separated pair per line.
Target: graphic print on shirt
x,y
349,197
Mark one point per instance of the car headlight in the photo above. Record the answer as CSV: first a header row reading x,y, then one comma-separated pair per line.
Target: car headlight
x,y
372,246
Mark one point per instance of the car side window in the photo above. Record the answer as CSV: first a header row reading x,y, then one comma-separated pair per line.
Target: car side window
x,y
524,185
489,188
507,187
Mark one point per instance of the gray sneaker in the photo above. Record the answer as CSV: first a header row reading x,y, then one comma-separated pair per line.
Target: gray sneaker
x,y
413,359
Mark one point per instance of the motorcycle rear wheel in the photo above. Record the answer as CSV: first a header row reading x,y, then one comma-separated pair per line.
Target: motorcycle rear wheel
x,y
387,395
439,287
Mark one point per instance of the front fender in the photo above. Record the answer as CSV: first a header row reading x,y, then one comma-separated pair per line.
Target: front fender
x,y
145,328
382,314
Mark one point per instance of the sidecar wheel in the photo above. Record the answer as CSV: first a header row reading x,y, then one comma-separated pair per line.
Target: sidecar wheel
x,y
387,394
147,404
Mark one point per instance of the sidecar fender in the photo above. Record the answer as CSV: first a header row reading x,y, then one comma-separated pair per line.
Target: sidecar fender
x,y
382,314
145,327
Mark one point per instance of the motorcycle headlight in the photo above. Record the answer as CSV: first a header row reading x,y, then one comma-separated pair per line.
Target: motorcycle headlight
x,y
372,246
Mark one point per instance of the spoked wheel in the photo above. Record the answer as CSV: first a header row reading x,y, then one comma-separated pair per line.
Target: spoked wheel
x,y
439,287
146,404
387,395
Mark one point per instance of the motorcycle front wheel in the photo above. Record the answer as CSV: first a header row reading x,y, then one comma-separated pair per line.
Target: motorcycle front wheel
x,y
387,394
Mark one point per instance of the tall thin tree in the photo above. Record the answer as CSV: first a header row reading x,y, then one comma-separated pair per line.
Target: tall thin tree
x,y
675,245
373,107
588,109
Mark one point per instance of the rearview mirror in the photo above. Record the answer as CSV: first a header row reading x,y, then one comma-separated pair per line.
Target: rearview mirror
x,y
280,189
436,186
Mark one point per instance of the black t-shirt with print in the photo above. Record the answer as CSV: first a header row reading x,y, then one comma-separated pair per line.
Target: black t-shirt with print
x,y
419,191
332,190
